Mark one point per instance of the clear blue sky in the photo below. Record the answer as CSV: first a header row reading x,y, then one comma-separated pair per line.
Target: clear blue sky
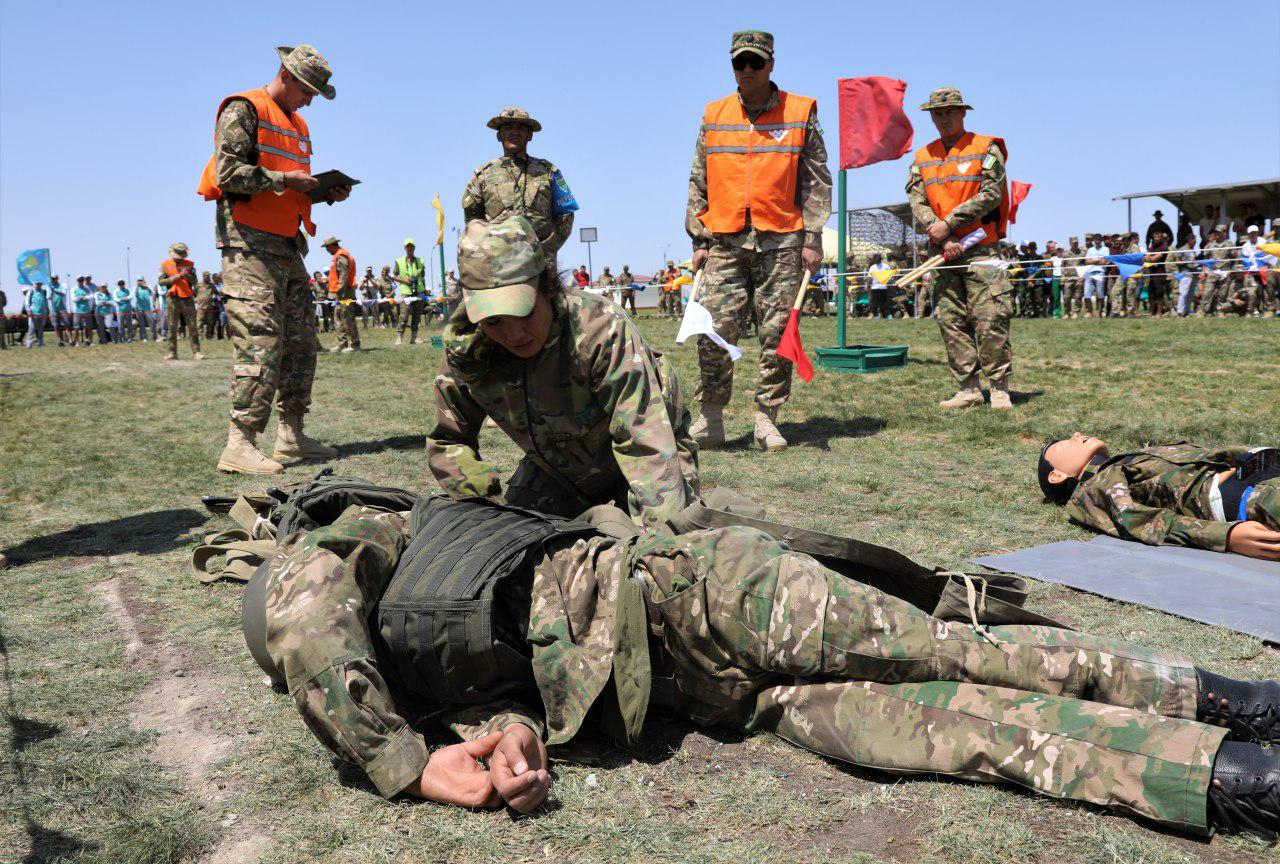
x,y
106,110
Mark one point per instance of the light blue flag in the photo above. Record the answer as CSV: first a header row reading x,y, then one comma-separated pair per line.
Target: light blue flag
x,y
33,267
1127,264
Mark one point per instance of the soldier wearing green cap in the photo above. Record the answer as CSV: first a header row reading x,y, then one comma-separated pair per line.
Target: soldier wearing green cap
x,y
759,195
519,184
259,177
599,415
957,189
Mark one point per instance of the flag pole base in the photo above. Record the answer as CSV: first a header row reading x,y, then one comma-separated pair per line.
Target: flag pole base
x,y
862,358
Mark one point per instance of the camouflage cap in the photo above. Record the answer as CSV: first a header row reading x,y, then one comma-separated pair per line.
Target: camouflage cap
x,y
331,241
179,249
513,115
945,97
499,264
755,41
308,66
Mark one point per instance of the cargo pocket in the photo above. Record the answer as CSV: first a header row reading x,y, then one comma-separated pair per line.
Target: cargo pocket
x,y
246,381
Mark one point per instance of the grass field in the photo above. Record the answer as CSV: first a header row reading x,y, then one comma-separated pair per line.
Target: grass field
x,y
141,731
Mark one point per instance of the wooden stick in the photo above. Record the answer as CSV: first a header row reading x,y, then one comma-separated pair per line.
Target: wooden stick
x,y
904,279
697,280
804,281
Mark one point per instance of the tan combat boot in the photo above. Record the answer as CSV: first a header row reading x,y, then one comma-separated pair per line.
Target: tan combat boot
x,y
708,429
767,435
399,339
242,456
1000,397
293,443
336,349
171,356
966,397
197,356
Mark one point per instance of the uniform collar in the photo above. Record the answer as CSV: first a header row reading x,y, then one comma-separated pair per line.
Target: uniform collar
x,y
769,103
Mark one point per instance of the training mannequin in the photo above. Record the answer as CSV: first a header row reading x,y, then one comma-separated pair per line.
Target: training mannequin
x,y
1224,499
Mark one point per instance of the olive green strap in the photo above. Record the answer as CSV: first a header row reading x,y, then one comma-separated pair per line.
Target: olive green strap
x,y
241,556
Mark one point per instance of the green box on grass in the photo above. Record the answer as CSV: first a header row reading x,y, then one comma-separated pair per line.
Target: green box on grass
x,y
862,358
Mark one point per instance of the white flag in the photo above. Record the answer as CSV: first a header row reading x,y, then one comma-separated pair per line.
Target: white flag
x,y
697,322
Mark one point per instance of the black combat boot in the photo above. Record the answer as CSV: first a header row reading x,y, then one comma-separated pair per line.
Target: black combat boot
x,y
1244,795
1250,710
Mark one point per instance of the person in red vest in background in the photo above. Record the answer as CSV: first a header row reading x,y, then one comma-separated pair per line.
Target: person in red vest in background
x,y
178,276
342,293
260,176
956,186
759,194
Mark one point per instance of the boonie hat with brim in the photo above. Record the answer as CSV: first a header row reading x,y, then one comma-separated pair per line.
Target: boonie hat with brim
x,y
308,66
331,241
752,42
179,249
499,265
513,115
945,97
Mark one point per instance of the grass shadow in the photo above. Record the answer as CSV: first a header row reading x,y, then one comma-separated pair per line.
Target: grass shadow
x,y
817,432
144,533
395,442
1022,397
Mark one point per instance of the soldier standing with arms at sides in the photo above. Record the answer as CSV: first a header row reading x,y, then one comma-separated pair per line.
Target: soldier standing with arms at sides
x,y
957,186
206,313
260,174
607,280
408,272
342,293
517,184
1217,282
628,294
759,194
178,275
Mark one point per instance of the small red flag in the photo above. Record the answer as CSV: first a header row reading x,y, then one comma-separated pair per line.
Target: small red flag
x,y
791,347
873,127
1017,194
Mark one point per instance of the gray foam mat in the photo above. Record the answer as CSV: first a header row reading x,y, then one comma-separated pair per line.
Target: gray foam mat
x,y
1231,591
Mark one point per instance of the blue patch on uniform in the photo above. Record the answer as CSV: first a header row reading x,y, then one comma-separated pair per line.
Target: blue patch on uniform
x,y
562,198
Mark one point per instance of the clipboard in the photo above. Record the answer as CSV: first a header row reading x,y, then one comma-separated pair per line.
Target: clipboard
x,y
328,180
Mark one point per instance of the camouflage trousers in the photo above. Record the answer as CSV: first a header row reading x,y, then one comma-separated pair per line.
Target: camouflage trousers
x,y
973,314
181,310
1215,294
270,310
348,334
735,283
208,320
1128,296
669,302
1263,504
765,638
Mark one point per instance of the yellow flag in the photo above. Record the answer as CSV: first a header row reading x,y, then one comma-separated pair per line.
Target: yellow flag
x,y
883,276
1270,248
435,202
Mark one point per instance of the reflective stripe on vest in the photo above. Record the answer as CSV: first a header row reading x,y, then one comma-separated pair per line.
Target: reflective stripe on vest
x,y
754,166
182,287
334,287
283,144
953,176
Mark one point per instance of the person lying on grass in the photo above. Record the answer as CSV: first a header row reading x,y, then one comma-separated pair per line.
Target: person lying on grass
x,y
1224,499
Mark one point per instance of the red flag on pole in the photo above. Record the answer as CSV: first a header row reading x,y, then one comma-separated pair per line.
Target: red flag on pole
x,y
1017,194
873,127
790,346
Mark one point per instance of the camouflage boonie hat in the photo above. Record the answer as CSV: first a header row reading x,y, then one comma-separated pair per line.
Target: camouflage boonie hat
x,y
945,97
309,67
331,241
179,249
499,264
513,115
755,41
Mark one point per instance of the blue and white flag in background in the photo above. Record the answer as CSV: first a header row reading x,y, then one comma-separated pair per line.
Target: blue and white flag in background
x,y
33,267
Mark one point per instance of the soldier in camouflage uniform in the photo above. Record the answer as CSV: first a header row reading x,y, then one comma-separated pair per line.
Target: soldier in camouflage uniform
x,y
598,414
606,280
519,184
972,298
452,294
342,275
760,637
627,296
1129,291
668,291
177,276
756,240
267,290
206,306
1224,499
1217,282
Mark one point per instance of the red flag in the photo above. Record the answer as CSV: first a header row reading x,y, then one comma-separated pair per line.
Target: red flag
x,y
1017,194
873,127
791,347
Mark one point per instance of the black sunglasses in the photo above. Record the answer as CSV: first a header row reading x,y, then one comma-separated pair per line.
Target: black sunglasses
x,y
742,61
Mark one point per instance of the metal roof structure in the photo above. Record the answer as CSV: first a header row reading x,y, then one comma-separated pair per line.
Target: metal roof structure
x,y
1227,197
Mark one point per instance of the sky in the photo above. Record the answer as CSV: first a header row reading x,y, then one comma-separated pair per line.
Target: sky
x,y
107,110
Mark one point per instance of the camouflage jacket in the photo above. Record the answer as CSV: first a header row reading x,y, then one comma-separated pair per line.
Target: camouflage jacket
x,y
626,278
813,190
236,139
605,280
321,590
1222,252
597,406
206,295
1157,495
505,187
987,198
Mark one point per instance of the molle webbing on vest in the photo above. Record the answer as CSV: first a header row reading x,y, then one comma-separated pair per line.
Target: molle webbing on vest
x,y
436,617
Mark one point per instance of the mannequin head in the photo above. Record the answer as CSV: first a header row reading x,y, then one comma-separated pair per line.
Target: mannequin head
x,y
1062,463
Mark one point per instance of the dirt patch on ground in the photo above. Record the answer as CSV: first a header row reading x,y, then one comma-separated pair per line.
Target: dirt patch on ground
x,y
180,705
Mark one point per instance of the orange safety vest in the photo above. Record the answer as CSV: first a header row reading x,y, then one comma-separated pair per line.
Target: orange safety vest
x,y
754,167
182,287
283,144
952,177
334,287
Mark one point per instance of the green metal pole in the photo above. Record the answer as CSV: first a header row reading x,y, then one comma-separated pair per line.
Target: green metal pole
x,y
442,269
842,256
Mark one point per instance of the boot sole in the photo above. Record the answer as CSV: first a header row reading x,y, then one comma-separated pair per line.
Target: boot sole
x,y
774,449
961,407
238,469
